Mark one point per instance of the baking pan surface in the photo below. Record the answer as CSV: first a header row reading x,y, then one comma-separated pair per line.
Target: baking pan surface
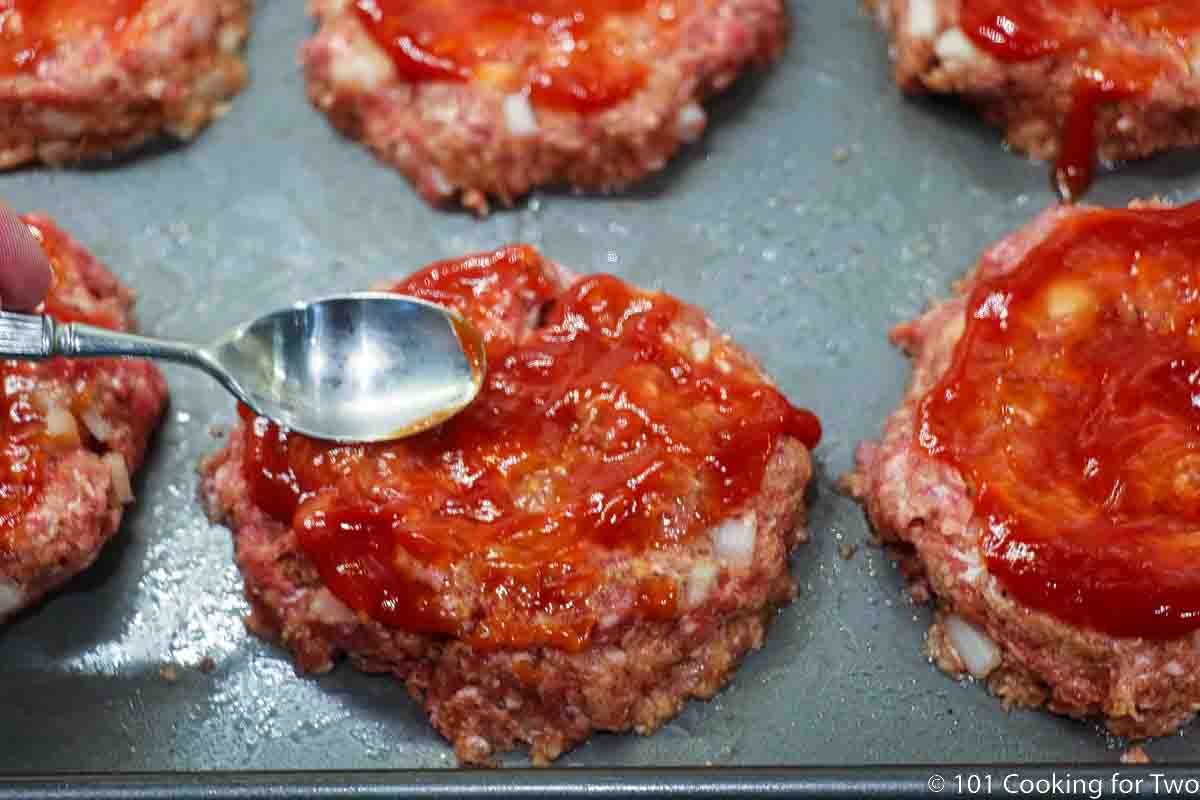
x,y
821,209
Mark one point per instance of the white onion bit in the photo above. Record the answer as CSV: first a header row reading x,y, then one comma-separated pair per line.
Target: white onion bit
x,y
690,122
733,540
700,582
329,609
922,19
519,116
978,652
11,597
359,69
439,182
122,488
954,46
60,424
97,424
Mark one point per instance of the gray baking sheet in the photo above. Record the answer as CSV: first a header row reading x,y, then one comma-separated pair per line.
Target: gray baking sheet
x,y
821,209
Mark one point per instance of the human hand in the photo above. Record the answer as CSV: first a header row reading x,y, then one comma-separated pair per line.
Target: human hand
x,y
24,268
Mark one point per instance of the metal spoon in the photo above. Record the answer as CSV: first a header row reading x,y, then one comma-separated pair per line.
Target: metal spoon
x,y
359,367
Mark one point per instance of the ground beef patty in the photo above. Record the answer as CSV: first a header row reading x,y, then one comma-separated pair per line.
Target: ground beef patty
x,y
73,433
1064,78
600,536
81,79
1039,477
497,99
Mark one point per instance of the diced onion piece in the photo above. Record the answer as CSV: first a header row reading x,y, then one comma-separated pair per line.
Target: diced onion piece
x,y
439,183
229,39
97,424
121,486
61,426
616,656
11,597
330,610
519,116
359,69
954,46
922,19
700,583
690,122
733,540
978,652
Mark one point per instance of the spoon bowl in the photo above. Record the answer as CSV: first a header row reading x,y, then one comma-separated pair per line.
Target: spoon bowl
x,y
359,367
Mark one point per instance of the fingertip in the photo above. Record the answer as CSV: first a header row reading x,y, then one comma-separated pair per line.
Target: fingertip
x,y
24,269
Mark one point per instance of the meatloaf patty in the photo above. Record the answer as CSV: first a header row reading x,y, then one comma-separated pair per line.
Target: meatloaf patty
x,y
501,128
73,433
82,79
600,536
1071,601
1058,75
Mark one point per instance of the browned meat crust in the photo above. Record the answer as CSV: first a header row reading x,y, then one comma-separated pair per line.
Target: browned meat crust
x,y
452,140
923,507
87,101
634,675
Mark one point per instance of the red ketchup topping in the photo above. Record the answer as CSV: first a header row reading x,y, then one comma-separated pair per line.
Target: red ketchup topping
x,y
592,436
1025,30
579,55
1072,409
32,29
25,443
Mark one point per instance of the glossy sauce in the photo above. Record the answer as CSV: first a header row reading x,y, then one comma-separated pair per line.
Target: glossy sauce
x,y
591,436
1025,30
1072,409
25,444
566,54
32,29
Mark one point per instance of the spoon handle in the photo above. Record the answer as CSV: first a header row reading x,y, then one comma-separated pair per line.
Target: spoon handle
x,y
25,336
29,336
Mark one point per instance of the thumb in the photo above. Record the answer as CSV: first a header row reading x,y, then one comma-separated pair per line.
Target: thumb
x,y
24,268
